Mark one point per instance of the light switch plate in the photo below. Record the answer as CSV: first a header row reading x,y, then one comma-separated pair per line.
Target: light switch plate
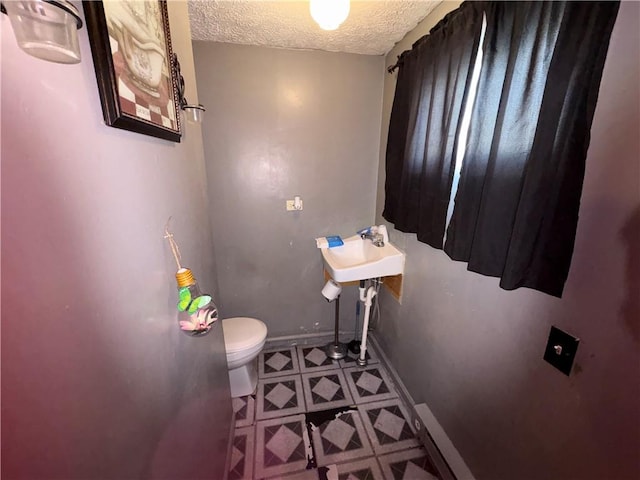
x,y
291,207
561,350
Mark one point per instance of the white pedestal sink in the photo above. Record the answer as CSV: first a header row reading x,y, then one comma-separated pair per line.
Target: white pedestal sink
x,y
360,259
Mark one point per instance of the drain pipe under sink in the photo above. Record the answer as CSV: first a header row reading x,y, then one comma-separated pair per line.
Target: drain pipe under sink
x,y
367,299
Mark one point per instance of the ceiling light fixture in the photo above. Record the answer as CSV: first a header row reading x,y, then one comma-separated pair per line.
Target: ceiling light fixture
x,y
329,14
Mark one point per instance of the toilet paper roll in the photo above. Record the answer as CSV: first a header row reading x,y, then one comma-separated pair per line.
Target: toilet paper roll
x,y
331,290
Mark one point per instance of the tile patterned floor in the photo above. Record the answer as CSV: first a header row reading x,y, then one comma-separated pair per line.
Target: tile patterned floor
x,y
283,445
369,383
408,465
242,454
350,359
244,409
388,426
340,440
324,390
280,396
313,358
314,418
278,362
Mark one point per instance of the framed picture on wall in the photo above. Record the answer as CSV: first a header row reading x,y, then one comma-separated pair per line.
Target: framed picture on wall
x,y
132,56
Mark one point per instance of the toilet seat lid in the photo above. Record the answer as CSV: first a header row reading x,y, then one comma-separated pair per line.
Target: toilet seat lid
x,y
241,333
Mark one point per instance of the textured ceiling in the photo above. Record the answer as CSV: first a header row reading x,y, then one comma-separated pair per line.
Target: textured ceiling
x,y
372,28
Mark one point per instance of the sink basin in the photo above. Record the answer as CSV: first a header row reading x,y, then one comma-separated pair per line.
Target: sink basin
x,y
360,259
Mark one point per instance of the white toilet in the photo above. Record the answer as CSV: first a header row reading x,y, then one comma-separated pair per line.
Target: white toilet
x,y
244,338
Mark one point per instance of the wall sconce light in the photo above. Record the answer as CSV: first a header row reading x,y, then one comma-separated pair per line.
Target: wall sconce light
x,y
192,112
329,14
45,29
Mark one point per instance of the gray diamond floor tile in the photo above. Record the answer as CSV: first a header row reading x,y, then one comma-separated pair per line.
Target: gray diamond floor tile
x,y
313,359
388,425
282,446
367,469
241,467
340,440
408,465
279,397
325,390
275,363
311,474
350,359
244,409
369,384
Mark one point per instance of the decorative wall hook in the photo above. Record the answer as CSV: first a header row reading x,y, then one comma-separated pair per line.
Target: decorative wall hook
x,y
194,113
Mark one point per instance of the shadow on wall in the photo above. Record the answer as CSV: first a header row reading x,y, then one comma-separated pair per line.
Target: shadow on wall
x,y
630,309
111,388
179,451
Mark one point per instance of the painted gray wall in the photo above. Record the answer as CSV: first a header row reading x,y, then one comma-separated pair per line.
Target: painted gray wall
x,y
97,380
282,123
473,352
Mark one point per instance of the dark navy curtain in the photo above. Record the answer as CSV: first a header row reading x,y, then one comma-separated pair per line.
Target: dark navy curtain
x,y
425,120
516,207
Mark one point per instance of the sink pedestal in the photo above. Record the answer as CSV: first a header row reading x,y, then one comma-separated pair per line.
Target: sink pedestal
x,y
335,349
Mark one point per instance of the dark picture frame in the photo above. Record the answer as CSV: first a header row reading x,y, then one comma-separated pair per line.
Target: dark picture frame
x,y
132,56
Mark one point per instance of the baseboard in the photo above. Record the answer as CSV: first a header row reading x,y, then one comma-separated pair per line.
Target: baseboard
x,y
306,339
441,439
445,456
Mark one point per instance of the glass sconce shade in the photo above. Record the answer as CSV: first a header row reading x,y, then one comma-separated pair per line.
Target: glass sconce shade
x,y
46,29
194,113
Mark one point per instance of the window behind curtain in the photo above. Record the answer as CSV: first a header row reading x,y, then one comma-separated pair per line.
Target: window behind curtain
x,y
516,207
425,122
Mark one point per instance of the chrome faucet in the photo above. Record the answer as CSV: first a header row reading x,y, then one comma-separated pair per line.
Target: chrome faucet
x,y
376,238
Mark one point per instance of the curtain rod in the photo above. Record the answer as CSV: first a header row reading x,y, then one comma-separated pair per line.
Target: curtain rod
x,y
396,65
